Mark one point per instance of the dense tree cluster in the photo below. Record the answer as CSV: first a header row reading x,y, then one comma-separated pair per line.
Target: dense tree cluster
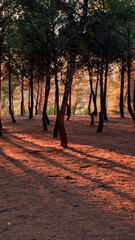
x,y
52,39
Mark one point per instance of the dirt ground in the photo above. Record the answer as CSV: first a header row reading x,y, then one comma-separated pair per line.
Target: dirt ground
x,y
83,192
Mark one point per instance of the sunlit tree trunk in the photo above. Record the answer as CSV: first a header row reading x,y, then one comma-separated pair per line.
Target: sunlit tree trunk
x,y
134,97
10,91
105,90
31,91
22,95
62,131
122,90
129,81
96,89
45,119
0,97
37,99
101,119
55,131
40,100
92,91
89,104
69,106
92,94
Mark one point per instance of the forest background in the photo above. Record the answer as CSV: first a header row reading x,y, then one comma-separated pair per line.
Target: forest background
x,y
44,45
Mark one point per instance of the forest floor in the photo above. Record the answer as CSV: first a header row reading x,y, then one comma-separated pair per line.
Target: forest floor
x,y
83,192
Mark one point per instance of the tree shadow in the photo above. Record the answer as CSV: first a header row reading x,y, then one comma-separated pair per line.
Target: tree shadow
x,y
40,153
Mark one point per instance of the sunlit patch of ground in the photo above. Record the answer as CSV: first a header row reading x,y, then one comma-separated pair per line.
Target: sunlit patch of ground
x,y
85,191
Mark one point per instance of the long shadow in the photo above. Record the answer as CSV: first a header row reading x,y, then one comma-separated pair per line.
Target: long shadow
x,y
106,161
56,164
25,215
108,136
110,162
91,131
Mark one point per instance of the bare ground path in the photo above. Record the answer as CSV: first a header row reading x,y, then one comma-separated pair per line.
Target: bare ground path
x,y
83,192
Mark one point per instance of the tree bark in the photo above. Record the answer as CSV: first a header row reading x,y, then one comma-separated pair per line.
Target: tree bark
x,y
129,94
0,97
37,99
129,81
22,96
10,93
31,91
92,94
105,90
40,100
45,119
101,119
134,97
55,131
89,104
69,106
122,90
96,89
62,131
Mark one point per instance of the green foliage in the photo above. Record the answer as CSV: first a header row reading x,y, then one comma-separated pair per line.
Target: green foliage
x,y
50,111
46,30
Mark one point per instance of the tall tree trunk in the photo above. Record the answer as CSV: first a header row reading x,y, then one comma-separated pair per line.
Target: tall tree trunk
x,y
37,99
40,100
10,91
0,98
45,119
89,104
101,119
31,91
92,91
22,96
129,89
29,96
69,106
96,89
122,90
134,97
55,131
105,89
92,94
62,131
129,81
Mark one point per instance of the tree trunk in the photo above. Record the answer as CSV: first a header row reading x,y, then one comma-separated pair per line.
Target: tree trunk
x,y
129,95
40,101
122,90
29,96
62,131
105,90
89,104
45,119
101,119
10,91
0,99
22,96
37,99
69,106
92,94
55,131
96,90
129,81
31,91
134,97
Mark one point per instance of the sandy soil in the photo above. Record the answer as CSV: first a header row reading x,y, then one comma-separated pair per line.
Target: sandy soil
x,y
83,192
